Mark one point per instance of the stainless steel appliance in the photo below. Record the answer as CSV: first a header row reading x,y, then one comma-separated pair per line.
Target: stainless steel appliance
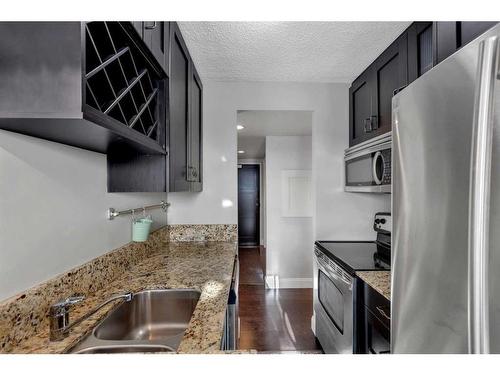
x,y
368,166
446,206
231,322
335,284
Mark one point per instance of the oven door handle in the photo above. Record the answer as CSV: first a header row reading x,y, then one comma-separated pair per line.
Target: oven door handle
x,y
330,272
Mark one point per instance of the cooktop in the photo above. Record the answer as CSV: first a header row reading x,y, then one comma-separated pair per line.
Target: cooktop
x,y
363,255
356,256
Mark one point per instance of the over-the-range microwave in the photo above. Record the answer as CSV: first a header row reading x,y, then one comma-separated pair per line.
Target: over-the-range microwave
x,y
368,166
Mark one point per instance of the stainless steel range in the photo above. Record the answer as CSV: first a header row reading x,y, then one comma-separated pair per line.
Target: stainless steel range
x,y
335,283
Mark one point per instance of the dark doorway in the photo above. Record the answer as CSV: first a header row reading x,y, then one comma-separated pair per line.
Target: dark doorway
x,y
248,204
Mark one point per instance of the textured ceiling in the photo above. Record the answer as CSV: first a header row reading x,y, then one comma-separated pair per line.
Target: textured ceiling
x,y
287,51
259,124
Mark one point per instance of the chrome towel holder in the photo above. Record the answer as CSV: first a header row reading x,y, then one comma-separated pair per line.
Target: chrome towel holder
x,y
112,213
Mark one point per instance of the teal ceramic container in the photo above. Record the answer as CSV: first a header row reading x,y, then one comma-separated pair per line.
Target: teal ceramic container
x,y
140,230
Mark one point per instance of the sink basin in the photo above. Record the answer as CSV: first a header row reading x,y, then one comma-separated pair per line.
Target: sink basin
x,y
151,315
153,321
124,349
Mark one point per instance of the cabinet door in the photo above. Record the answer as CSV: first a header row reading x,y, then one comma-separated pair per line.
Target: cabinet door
x,y
468,31
390,74
451,36
154,37
179,111
195,132
360,109
138,25
420,49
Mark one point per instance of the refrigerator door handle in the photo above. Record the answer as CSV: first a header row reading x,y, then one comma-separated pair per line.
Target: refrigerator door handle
x,y
479,197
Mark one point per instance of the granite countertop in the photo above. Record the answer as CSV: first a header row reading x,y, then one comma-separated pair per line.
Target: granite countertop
x,y
205,266
378,280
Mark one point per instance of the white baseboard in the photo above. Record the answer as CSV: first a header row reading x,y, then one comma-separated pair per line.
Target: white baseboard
x,y
313,323
272,282
306,282
275,282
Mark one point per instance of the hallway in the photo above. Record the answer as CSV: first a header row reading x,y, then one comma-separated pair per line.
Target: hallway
x,y
272,320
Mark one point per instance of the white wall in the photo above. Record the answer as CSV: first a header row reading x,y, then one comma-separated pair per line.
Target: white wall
x,y
289,240
338,215
53,197
53,204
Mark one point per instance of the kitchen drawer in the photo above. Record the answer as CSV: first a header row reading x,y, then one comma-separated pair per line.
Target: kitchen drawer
x,y
378,305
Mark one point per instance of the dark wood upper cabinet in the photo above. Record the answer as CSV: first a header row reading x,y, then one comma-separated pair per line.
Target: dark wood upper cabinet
x,y
182,169
451,36
419,48
155,35
186,105
179,111
195,167
90,85
371,93
360,107
421,54
391,74
139,27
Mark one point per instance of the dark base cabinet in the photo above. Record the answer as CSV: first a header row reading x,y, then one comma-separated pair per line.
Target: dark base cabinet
x,y
374,322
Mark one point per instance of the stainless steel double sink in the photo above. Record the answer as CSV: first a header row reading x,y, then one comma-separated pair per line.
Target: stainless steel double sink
x,y
153,321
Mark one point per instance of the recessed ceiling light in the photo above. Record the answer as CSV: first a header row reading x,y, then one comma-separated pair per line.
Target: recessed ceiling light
x,y
241,152
240,127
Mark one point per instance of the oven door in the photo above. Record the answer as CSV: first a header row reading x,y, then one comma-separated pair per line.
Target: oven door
x,y
368,168
333,307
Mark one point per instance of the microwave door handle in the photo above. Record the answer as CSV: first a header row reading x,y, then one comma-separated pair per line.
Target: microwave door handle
x,y
479,197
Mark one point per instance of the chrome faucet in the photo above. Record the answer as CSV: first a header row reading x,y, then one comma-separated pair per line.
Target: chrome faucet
x,y
59,314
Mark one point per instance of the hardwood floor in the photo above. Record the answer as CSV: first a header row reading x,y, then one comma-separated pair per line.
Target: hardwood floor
x,y
272,320
250,266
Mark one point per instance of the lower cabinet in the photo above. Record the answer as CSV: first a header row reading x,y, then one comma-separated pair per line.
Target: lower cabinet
x,y
374,319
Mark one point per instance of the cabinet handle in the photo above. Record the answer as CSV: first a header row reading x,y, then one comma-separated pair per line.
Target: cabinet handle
x,y
368,125
399,89
382,312
374,122
153,26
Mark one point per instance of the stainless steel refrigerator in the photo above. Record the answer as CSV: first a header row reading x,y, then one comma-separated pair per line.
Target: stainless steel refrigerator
x,y
446,206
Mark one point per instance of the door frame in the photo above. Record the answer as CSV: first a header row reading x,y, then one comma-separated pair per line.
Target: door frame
x,y
262,195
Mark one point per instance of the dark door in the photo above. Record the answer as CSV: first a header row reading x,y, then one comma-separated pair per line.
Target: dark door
x,y
179,106
360,109
248,205
195,132
391,73
154,37
420,49
450,36
138,25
